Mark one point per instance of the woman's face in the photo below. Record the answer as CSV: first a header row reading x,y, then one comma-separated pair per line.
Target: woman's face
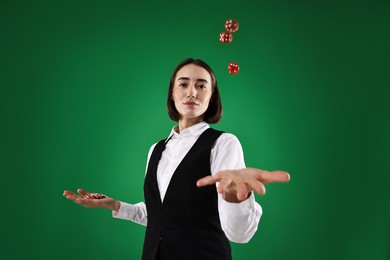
x,y
192,91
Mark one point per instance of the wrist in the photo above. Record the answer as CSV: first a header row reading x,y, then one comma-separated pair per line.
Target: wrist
x,y
232,198
115,205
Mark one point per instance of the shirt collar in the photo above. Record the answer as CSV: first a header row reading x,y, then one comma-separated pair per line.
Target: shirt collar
x,y
195,131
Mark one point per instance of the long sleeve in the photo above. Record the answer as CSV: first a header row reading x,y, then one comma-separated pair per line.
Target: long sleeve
x,y
134,212
238,220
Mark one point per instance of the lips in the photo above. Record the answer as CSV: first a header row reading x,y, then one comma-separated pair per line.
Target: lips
x,y
191,103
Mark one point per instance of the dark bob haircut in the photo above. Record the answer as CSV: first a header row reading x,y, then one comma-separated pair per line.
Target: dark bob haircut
x,y
214,111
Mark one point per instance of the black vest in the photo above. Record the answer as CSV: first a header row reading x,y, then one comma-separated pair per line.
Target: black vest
x,y
186,225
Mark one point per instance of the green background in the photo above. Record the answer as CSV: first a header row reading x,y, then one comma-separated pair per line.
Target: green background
x,y
83,92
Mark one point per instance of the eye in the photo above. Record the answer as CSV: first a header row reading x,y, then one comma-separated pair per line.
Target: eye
x,y
183,85
201,86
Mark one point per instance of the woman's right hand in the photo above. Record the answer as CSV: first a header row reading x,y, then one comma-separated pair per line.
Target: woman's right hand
x,y
86,199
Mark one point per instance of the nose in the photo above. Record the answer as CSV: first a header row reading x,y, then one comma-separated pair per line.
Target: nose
x,y
192,92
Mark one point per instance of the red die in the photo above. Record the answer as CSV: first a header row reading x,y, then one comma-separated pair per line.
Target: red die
x,y
233,68
225,37
231,25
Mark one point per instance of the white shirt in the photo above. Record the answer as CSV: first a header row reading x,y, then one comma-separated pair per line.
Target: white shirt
x,y
239,221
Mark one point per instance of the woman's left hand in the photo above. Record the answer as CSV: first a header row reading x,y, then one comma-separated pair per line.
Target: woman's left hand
x,y
236,185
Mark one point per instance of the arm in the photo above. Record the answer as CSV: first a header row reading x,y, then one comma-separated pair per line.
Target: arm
x,y
86,199
238,220
136,213
242,217
239,212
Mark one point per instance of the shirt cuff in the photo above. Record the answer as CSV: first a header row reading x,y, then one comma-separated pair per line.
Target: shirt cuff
x,y
122,210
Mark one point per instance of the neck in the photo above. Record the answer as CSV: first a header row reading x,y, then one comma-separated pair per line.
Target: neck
x,y
188,122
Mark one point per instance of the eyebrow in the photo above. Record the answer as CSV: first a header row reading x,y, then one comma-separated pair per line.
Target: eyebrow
x,y
186,78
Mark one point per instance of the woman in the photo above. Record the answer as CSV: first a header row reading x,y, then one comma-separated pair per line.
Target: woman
x,y
186,217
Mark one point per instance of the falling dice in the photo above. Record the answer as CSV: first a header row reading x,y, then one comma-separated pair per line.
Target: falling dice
x,y
225,37
231,25
233,68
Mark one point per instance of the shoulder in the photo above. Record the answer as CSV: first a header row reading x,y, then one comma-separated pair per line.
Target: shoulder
x,y
151,149
228,137
226,140
227,153
154,145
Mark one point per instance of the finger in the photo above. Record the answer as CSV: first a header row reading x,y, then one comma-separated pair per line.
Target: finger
x,y
85,194
278,176
208,180
71,196
242,191
82,192
67,192
270,176
257,187
223,186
